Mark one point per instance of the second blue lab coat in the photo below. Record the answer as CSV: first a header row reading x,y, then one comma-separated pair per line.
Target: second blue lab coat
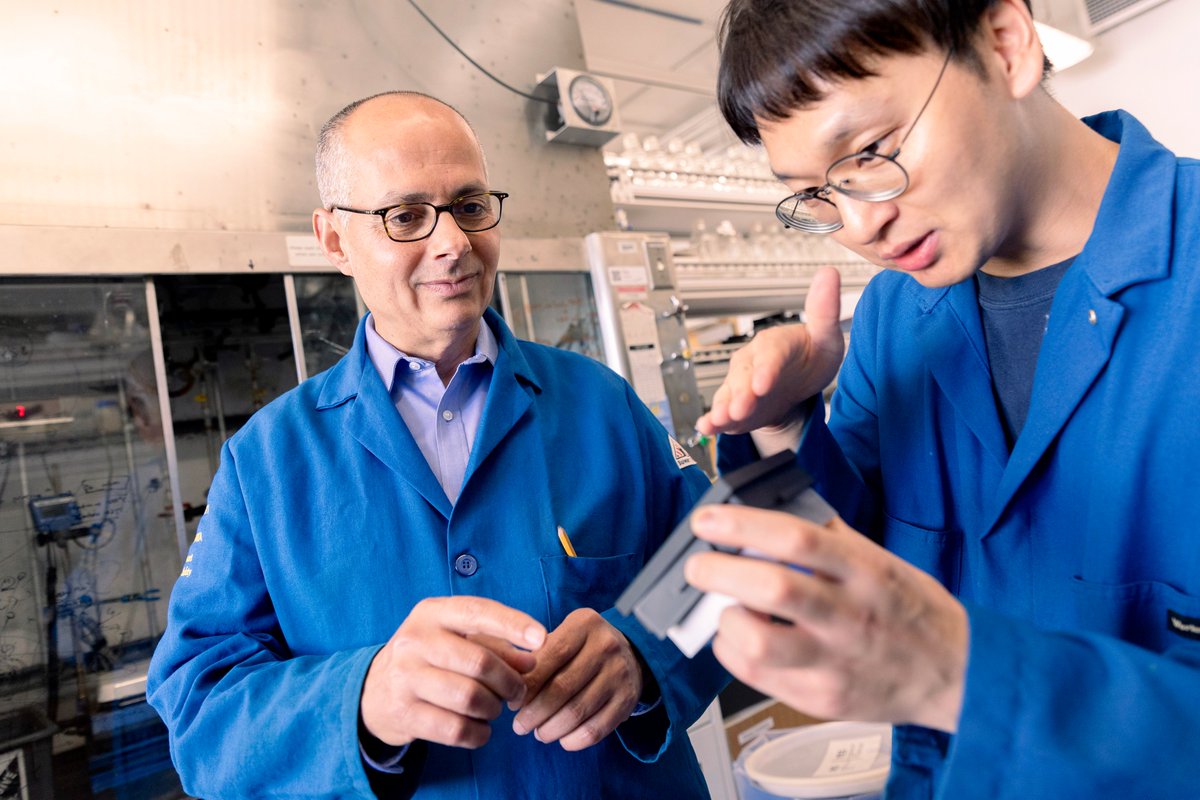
x,y
1077,555
325,526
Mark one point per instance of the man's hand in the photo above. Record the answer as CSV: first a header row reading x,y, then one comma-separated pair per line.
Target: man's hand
x,y
587,681
434,681
781,367
857,634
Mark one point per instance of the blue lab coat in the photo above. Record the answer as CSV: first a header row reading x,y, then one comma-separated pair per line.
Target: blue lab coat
x,y
1078,554
325,526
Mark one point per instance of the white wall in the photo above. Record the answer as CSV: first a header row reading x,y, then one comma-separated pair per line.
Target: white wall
x,y
202,116
1148,65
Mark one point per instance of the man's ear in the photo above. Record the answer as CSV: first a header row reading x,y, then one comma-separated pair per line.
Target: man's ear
x,y
1010,46
329,235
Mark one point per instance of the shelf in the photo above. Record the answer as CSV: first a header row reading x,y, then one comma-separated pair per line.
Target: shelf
x,y
649,203
678,216
720,195
739,288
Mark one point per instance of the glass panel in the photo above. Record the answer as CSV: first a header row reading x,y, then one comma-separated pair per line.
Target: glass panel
x,y
228,350
88,551
555,308
328,318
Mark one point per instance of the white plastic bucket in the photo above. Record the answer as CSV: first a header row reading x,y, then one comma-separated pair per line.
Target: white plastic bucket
x,y
829,760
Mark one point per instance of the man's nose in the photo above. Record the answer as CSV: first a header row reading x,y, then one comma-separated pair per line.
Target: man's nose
x,y
447,238
862,220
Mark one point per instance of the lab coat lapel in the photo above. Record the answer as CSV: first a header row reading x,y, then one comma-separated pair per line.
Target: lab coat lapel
x,y
508,400
374,421
1124,249
1078,343
950,335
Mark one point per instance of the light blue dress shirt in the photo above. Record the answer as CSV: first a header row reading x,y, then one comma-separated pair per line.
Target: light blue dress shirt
x,y
442,418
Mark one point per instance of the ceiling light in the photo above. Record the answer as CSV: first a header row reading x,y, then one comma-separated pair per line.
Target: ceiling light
x,y
1063,49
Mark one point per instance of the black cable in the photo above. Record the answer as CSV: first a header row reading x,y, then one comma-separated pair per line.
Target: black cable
x,y
475,63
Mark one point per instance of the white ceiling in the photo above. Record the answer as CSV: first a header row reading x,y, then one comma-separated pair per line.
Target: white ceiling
x,y
666,52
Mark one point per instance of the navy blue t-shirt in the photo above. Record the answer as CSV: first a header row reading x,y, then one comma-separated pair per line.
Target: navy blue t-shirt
x,y
1015,314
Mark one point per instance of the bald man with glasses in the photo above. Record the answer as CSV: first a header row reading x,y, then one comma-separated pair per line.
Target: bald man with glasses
x,y
403,583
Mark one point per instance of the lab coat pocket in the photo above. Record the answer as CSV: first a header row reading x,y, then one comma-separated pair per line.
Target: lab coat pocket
x,y
937,552
1150,614
573,583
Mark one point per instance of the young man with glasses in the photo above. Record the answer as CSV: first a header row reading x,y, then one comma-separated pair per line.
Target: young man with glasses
x,y
1014,420
434,529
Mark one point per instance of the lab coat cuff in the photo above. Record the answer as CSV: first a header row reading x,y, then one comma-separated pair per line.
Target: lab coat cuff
x,y
646,735
645,708
391,760
687,686
359,663
982,749
651,697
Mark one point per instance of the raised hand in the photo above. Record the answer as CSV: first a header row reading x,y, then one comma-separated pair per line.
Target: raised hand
x,y
781,367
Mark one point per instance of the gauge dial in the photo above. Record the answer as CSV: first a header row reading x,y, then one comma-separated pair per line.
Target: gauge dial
x,y
590,99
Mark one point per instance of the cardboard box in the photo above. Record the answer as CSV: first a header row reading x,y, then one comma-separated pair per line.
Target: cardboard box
x,y
747,725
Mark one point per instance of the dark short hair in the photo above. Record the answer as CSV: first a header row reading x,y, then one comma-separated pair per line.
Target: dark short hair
x,y
776,54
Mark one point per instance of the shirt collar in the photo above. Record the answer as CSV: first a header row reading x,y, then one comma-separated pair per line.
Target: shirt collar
x,y
388,360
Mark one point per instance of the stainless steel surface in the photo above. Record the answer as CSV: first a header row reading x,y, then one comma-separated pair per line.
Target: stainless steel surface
x,y
289,294
560,254
164,410
643,328
203,117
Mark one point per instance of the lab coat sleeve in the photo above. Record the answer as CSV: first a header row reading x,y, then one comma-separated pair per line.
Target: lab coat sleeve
x,y
687,686
246,717
1051,714
842,455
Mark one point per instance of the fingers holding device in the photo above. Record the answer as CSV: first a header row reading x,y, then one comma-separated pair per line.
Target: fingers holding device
x,y
661,597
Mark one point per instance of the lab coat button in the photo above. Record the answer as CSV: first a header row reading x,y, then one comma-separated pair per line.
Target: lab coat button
x,y
466,565
447,415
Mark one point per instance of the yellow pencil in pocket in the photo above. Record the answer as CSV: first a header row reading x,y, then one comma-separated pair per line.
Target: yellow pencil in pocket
x,y
565,541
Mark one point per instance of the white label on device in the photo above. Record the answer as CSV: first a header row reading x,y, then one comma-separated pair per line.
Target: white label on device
x,y
847,756
628,276
700,625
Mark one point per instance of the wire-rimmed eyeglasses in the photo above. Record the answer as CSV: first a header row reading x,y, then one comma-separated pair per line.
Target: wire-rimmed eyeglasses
x,y
865,175
411,222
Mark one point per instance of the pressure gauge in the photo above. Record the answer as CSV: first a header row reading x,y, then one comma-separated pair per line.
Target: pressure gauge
x,y
590,99
580,108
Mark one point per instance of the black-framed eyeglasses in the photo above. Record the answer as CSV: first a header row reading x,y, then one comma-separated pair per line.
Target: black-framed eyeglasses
x,y
411,222
865,175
